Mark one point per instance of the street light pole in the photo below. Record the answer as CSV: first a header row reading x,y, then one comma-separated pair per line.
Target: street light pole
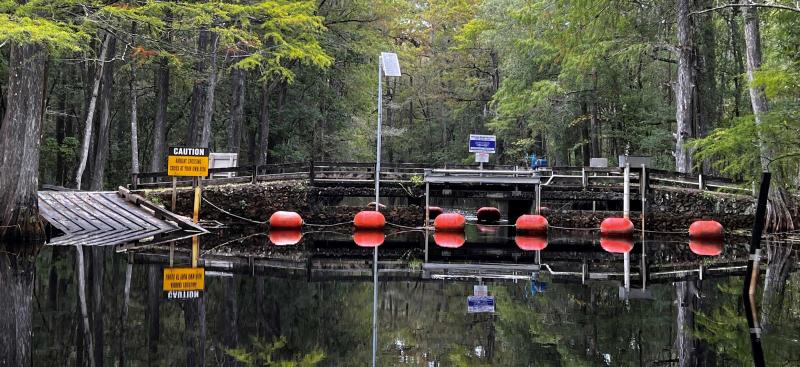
x,y
378,135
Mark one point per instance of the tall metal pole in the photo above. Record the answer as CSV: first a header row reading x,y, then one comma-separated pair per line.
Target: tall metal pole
x,y
378,150
626,195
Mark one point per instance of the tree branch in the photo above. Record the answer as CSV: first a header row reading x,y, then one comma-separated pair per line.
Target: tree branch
x,y
757,5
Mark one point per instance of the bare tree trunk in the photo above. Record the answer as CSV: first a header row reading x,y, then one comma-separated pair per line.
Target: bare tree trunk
x,y
208,107
104,124
194,132
779,217
202,110
60,121
87,134
594,123
263,124
159,122
586,149
19,142
134,112
238,88
683,88
735,41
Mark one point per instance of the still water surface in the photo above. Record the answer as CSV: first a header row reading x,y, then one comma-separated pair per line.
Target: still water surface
x,y
313,301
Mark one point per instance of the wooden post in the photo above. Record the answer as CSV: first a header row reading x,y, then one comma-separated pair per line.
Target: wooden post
x,y
174,192
196,218
701,185
584,178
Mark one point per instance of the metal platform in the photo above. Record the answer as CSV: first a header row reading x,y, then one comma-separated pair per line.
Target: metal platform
x,y
110,218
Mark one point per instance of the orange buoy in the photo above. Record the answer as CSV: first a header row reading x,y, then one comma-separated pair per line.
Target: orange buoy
x,y
616,245
368,237
705,229
369,219
706,247
532,223
434,211
285,220
449,239
449,222
285,237
488,214
616,227
531,243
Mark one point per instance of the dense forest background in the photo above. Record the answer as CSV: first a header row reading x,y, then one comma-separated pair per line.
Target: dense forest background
x,y
287,81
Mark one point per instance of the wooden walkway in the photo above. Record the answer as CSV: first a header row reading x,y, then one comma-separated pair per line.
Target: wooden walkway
x,y
110,218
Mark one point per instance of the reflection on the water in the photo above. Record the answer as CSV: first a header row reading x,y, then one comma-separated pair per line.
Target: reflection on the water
x,y
560,300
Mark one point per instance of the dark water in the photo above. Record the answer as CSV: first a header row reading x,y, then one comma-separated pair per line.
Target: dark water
x,y
570,304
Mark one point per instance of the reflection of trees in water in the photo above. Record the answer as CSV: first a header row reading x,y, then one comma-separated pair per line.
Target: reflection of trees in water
x,y
780,263
16,304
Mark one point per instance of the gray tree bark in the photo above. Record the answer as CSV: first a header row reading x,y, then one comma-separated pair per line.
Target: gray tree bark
x,y
263,124
159,122
202,110
20,133
684,86
87,133
16,303
238,88
779,218
104,123
134,111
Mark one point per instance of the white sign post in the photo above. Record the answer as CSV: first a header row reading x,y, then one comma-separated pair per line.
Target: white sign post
x,y
482,146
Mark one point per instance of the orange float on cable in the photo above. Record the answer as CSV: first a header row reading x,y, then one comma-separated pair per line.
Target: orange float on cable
x,y
706,247
368,237
531,243
285,237
449,222
616,227
532,223
369,219
706,229
449,239
488,214
616,245
285,220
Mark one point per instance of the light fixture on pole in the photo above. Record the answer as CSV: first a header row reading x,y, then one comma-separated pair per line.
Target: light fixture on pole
x,y
389,66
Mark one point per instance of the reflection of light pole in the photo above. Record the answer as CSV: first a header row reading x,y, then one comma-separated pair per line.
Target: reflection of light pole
x,y
387,64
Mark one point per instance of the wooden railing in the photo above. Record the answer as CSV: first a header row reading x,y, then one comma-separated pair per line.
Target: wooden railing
x,y
355,172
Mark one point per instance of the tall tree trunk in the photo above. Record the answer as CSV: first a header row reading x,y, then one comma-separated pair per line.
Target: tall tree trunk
x,y
594,123
104,123
684,87
211,86
706,104
238,88
60,121
134,111
87,134
203,91
586,149
734,42
263,124
159,122
779,217
19,142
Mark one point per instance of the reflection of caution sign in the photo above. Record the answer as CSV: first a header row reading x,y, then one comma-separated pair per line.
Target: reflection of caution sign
x,y
187,161
184,283
480,304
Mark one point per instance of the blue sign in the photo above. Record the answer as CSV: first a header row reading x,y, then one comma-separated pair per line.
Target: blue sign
x,y
482,143
480,304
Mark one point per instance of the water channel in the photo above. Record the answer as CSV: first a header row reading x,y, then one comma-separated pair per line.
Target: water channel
x,y
567,300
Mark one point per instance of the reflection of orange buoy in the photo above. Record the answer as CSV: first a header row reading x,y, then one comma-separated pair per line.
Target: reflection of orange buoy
x,y
616,227
705,229
531,243
616,245
449,222
368,238
449,239
284,237
369,219
706,247
488,214
282,219
434,211
532,223
487,229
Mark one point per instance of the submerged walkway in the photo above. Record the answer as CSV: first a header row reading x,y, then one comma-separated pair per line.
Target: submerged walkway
x,y
110,218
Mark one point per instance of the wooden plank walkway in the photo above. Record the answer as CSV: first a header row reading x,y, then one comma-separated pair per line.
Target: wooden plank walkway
x,y
110,218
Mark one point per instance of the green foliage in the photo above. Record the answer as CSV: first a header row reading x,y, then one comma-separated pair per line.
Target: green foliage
x,y
261,353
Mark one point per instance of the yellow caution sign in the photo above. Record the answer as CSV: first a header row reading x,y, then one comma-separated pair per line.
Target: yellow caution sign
x,y
187,161
184,279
